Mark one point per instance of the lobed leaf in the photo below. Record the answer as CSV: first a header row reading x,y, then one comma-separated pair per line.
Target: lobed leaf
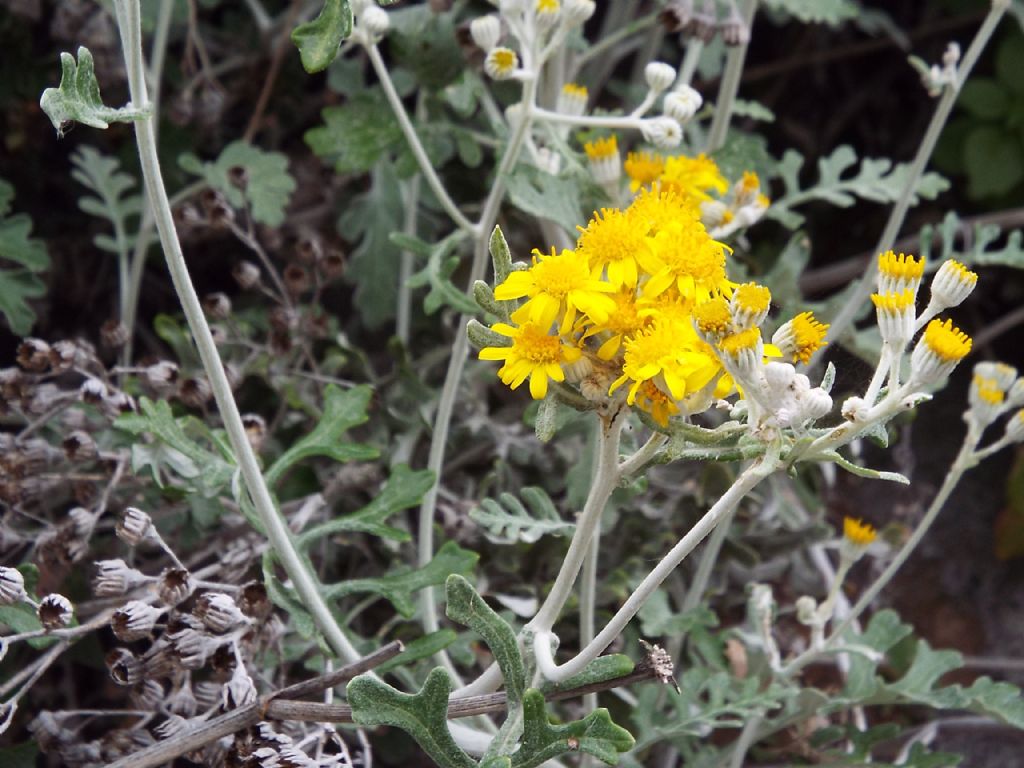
x,y
318,40
77,99
507,521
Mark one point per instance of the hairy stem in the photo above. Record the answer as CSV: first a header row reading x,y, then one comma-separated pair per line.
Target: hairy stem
x,y
277,533
730,84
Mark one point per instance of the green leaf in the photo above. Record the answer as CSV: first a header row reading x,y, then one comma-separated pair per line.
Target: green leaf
x,y
1001,701
423,42
343,409
984,98
437,274
877,180
859,471
501,255
420,648
831,12
507,521
399,586
286,600
404,489
755,110
21,617
77,98
600,670
19,284
423,715
268,185
114,199
355,136
994,160
373,266
918,684
318,40
547,197
595,735
465,606
209,472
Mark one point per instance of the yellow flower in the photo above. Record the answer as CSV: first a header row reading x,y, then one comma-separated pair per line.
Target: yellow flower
x,y
750,303
693,177
534,354
623,321
602,149
669,353
655,402
858,533
501,63
684,255
557,285
897,273
643,169
987,390
655,208
713,317
801,337
946,342
611,242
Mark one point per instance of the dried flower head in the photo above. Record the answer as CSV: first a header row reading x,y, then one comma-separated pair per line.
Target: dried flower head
x,y
55,612
114,334
219,612
134,621
115,578
80,446
246,274
12,586
34,355
134,526
195,391
217,305
175,586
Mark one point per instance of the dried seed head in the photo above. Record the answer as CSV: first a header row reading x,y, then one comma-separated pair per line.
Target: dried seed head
x,y
34,355
175,586
207,693
161,376
66,354
134,621
134,526
48,731
122,742
239,690
217,305
216,208
55,612
255,429
253,600
308,250
192,647
332,265
219,612
79,446
148,694
114,334
80,522
92,391
195,391
115,578
117,403
283,319
296,280
12,586
187,216
12,384
660,663
43,398
124,666
183,702
246,274
174,725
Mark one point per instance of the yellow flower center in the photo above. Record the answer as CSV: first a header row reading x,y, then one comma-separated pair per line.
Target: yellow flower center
x,y
654,209
693,176
687,249
602,149
712,317
749,183
503,59
575,90
903,266
610,237
948,342
752,298
809,336
643,168
858,532
547,6
537,346
893,303
625,318
557,275
989,390
740,342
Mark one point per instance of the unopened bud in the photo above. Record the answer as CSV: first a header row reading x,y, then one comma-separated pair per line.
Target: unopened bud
x,y
485,31
663,132
659,76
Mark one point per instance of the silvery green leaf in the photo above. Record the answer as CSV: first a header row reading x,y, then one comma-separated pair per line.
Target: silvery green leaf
x,y
831,12
399,585
856,469
829,378
481,336
403,489
437,275
547,418
595,735
77,99
20,283
423,715
115,198
501,255
506,520
318,40
343,409
420,648
755,110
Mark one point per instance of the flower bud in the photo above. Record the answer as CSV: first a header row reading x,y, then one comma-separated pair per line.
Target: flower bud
x,y
572,100
659,76
663,132
682,103
485,31
576,12
1015,427
375,21
501,63
951,285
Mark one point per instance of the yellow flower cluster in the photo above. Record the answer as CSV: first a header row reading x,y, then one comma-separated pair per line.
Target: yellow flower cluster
x,y
619,309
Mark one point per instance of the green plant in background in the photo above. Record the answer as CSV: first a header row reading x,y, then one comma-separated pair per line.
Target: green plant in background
x,y
280,546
